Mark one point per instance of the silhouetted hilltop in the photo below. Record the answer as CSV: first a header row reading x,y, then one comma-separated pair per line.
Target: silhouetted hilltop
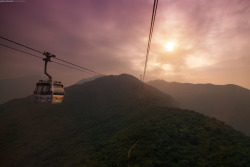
x,y
100,120
122,89
88,79
229,103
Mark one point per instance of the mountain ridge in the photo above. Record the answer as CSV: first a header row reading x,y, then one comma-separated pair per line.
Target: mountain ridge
x,y
125,85
88,79
229,103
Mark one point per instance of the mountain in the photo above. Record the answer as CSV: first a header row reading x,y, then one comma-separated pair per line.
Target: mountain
x,y
101,120
17,88
123,89
229,103
88,79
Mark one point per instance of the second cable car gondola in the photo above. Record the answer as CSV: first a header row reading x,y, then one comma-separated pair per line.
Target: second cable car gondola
x,y
48,91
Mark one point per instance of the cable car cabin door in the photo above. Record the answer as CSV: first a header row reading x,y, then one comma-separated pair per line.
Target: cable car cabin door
x,y
57,92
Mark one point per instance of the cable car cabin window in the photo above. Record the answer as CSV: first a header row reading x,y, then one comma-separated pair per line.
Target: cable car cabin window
x,y
46,90
58,90
43,89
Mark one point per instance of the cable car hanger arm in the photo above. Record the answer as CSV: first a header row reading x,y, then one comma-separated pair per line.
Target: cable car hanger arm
x,y
46,60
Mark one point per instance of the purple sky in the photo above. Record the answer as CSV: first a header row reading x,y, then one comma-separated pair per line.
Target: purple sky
x,y
211,37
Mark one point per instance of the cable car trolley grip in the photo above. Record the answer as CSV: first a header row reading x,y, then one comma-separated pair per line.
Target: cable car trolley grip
x,y
48,91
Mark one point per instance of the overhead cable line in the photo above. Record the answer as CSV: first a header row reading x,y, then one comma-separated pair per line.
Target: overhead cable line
x,y
90,71
21,51
150,35
72,67
78,66
42,58
21,44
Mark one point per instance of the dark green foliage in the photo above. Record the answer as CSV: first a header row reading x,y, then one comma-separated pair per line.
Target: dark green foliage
x,y
100,120
174,137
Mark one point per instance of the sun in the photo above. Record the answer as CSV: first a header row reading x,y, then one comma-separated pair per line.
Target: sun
x,y
170,46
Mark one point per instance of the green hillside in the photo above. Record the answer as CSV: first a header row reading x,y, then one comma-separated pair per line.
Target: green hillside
x,y
173,137
101,120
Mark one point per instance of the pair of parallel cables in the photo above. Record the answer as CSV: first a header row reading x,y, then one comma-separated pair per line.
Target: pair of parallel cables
x,y
83,69
150,35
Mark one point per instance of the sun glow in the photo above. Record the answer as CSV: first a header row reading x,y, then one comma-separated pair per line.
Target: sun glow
x,y
170,46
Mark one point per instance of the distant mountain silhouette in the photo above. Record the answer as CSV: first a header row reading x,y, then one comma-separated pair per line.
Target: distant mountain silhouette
x,y
100,120
17,88
118,89
229,103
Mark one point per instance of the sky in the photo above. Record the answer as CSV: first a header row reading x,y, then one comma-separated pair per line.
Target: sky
x,y
194,41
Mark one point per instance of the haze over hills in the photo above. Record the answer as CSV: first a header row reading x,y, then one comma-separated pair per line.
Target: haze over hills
x,y
100,120
229,103
17,88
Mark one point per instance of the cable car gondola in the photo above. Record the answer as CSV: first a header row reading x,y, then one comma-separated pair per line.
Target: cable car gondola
x,y
48,91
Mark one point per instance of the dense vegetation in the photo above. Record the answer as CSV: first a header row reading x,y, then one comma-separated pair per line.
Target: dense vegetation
x,y
173,137
100,130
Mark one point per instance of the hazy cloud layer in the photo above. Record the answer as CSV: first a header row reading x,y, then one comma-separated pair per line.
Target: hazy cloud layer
x,y
110,36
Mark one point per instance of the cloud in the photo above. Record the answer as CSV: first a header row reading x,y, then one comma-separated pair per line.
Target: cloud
x,y
207,34
111,36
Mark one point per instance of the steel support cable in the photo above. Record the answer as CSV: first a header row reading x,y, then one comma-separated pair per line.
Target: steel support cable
x,y
42,58
150,35
55,57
